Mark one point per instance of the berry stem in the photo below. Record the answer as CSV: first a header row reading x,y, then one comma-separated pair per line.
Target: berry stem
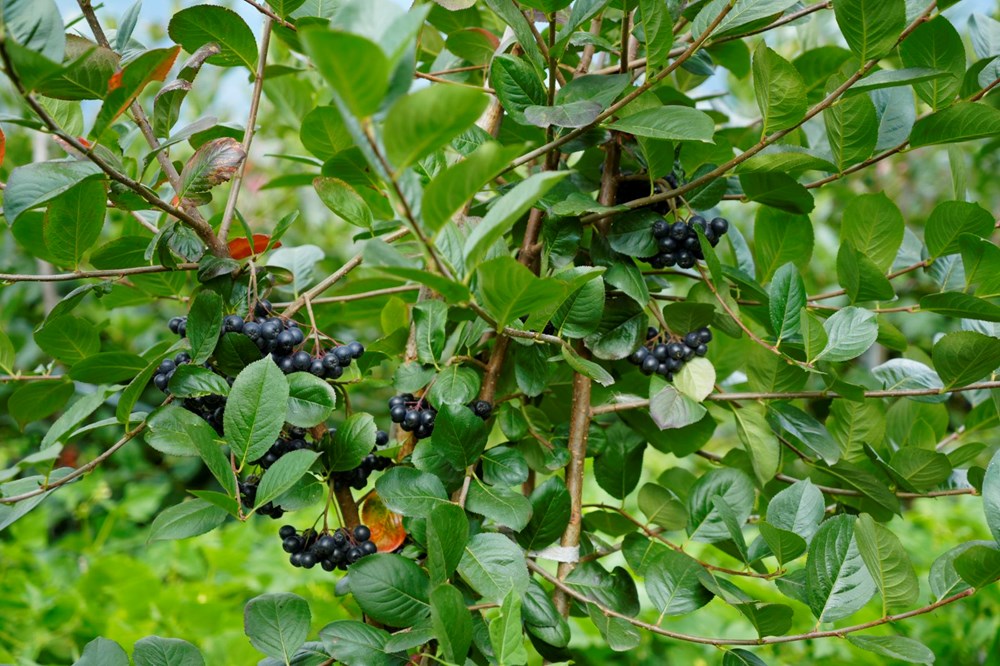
x,y
347,507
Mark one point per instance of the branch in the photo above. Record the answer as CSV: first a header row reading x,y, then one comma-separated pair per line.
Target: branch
x,y
266,11
83,275
625,101
79,471
348,507
766,640
818,108
30,378
889,276
374,293
806,395
258,86
146,129
336,277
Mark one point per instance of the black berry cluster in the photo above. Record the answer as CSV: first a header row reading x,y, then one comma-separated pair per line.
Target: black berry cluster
x,y
416,416
357,478
281,338
665,355
330,550
248,496
282,446
678,243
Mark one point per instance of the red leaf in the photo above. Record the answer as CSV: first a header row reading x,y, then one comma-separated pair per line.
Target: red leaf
x,y
386,526
239,248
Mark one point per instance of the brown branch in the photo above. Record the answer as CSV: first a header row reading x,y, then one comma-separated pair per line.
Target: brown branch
x,y
336,276
890,276
625,101
805,395
162,158
721,170
248,132
438,79
79,471
784,20
587,56
83,275
266,11
31,378
374,293
348,507
766,640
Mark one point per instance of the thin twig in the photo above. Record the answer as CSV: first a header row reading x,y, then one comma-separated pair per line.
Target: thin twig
x,y
266,11
805,395
766,640
83,275
258,87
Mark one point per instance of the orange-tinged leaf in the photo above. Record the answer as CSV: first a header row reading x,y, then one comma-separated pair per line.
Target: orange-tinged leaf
x,y
239,248
212,164
386,526
126,84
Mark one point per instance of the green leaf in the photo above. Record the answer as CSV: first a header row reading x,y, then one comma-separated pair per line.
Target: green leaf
x,y
504,213
676,123
284,474
991,496
798,508
234,352
455,385
964,121
921,469
460,435
740,657
493,565
37,26
621,329
838,583
963,357
391,589
902,373
410,492
195,381
517,86
36,400
186,519
194,27
860,277
33,185
506,466
450,189
743,12
957,304
73,415
899,648
277,624
427,120
506,633
850,332
662,507
780,238
892,78
107,368
618,468
323,132
310,400
759,441
354,439
780,91
452,622
935,45
669,408
871,27
204,325
777,190
785,545
67,338
949,220
587,368
733,486
356,68
74,220
509,290
550,513
581,313
100,651
888,564
981,261
874,226
173,430
156,651
353,642
631,233
787,299
344,200
657,26
852,130
673,585
447,534
503,506
979,565
255,411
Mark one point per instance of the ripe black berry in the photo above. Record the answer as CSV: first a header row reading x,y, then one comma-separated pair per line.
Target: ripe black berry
x,y
362,533
666,359
287,531
292,544
232,324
